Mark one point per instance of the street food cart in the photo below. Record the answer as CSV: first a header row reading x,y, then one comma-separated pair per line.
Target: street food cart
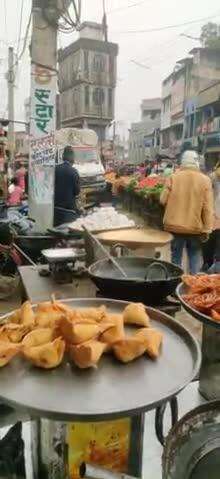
x,y
97,415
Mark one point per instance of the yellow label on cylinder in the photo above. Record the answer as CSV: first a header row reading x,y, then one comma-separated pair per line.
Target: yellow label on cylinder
x,y
103,443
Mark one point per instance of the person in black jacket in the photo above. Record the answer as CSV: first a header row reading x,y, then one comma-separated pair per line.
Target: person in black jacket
x,y
67,188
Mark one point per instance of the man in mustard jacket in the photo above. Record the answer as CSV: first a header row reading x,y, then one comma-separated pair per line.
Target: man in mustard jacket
x,y
188,201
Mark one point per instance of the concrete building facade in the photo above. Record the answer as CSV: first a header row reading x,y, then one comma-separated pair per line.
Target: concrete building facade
x,y
172,114
202,104
190,116
87,80
143,138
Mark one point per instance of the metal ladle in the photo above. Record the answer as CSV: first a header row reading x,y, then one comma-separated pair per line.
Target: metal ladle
x,y
99,244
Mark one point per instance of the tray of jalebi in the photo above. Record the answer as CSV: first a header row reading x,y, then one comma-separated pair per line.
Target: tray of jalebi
x,y
200,296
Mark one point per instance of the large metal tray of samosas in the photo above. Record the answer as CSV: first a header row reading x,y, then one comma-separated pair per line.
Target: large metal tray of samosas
x,y
112,390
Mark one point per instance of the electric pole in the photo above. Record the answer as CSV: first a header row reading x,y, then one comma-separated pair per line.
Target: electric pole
x,y
11,85
43,112
46,15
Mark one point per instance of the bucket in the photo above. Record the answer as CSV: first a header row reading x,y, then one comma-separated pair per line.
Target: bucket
x,y
192,448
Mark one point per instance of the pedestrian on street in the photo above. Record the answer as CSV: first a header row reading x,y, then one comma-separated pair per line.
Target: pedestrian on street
x,y
188,201
15,193
20,176
211,250
168,170
67,188
115,190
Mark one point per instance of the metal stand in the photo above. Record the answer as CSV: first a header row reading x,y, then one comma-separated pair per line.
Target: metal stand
x,y
53,450
209,385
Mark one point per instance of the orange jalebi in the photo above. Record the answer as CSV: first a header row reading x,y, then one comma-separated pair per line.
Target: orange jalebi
x,y
204,294
202,283
215,315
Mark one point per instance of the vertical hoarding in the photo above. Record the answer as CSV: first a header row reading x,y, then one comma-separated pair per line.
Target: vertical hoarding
x,y
42,146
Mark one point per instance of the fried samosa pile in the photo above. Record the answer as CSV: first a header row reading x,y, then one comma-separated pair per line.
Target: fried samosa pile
x,y
44,335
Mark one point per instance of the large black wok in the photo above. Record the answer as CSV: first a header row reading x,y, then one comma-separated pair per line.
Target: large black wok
x,y
149,280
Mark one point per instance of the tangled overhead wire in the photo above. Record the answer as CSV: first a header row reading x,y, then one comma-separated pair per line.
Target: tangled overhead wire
x,y
60,16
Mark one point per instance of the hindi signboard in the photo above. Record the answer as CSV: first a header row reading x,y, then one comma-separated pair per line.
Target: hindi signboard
x,y
42,146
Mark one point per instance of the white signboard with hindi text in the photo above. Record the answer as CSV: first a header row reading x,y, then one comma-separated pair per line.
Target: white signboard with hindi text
x,y
42,146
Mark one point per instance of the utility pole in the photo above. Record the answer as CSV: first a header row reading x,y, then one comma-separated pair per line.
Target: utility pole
x,y
11,85
45,19
43,112
113,143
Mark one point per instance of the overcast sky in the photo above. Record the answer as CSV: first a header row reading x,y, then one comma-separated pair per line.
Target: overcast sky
x,y
157,50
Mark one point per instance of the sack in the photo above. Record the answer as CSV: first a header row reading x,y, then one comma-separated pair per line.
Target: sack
x,y
8,286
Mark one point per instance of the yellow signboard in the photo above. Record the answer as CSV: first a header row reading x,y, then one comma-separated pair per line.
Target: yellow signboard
x,y
106,444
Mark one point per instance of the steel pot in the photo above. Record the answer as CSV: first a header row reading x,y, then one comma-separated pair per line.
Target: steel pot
x,y
192,448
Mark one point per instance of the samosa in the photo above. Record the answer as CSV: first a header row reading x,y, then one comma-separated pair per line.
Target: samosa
x,y
115,332
15,317
135,313
48,319
27,314
7,352
46,356
87,355
97,314
152,339
38,337
13,333
129,349
77,333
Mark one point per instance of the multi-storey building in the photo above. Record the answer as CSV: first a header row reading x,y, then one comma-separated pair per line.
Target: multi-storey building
x,y
87,80
143,140
190,116
202,104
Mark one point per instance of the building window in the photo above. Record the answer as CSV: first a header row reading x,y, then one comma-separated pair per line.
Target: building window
x,y
179,132
86,60
98,96
110,99
99,63
76,94
153,115
111,64
64,110
87,97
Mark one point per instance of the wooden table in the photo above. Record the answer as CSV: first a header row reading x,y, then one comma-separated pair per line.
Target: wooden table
x,y
37,288
143,240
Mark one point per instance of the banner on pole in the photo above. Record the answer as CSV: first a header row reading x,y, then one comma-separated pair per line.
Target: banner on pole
x,y
42,146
